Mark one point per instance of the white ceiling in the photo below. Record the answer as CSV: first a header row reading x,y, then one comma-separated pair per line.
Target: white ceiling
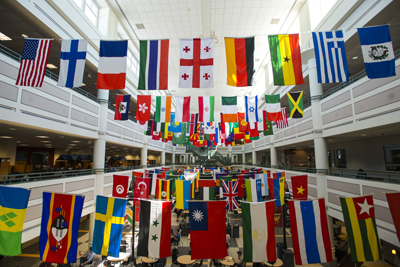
x,y
174,19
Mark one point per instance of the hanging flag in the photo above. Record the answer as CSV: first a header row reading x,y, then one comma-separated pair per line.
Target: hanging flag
x,y
279,191
206,108
229,109
283,123
207,222
258,232
251,105
264,183
378,53
268,130
153,71
243,125
196,65
182,109
163,109
273,107
240,61
330,56
393,200
155,229
286,59
61,215
359,218
163,189
230,194
182,193
120,186
33,62
206,189
143,107
254,135
310,232
141,125
111,72
300,187
72,63
253,190
295,100
141,187
174,127
122,107
149,130
13,204
180,138
153,184
109,221
128,219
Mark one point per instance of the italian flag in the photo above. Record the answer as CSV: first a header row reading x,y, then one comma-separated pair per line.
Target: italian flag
x,y
273,107
155,229
229,109
258,232
206,108
182,109
163,109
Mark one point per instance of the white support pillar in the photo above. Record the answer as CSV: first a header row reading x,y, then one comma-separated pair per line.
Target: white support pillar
x,y
92,217
163,157
173,158
253,158
243,158
143,156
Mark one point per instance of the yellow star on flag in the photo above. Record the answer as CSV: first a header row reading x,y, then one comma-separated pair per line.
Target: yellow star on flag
x,y
300,190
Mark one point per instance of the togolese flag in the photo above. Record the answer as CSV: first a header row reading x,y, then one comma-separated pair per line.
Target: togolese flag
x,y
359,217
13,204
286,59
239,61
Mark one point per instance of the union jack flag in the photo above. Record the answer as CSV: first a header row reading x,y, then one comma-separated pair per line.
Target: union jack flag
x,y
230,194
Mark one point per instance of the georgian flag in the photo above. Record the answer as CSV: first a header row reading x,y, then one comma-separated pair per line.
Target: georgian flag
x,y
196,65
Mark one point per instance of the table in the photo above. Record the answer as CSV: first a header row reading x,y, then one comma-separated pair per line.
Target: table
x,y
148,260
278,263
185,259
121,257
185,212
228,261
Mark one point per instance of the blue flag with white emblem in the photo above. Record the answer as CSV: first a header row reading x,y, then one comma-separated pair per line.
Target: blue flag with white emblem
x,y
377,49
174,127
72,63
330,56
251,104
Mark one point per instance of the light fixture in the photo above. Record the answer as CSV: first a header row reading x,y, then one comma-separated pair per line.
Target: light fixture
x,y
75,141
24,35
6,137
51,66
330,140
61,136
83,84
355,57
46,141
4,37
394,252
12,129
23,145
72,144
364,135
42,136
18,142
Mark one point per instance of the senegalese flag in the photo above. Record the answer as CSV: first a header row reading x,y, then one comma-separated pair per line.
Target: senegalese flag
x,y
163,189
359,218
239,61
295,100
13,204
286,59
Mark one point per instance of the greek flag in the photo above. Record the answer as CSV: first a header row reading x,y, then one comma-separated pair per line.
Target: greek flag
x,y
330,55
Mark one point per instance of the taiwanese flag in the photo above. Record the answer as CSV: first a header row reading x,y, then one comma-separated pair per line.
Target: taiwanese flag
x,y
122,107
141,188
243,125
143,107
207,222
61,215
120,186
300,187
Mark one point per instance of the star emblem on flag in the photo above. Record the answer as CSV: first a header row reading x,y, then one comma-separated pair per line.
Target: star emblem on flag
x,y
198,215
300,190
365,207
154,237
142,107
286,59
251,109
155,223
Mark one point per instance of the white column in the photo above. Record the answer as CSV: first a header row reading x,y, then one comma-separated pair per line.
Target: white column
x,y
91,227
163,157
173,158
243,158
253,158
187,158
143,156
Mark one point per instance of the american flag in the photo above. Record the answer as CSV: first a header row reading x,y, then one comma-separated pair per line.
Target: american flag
x,y
230,193
33,62
282,123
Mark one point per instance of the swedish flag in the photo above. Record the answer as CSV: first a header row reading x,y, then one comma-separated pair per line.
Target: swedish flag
x,y
108,224
13,204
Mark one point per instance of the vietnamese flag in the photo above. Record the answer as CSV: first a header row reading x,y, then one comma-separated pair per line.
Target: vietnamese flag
x,y
300,187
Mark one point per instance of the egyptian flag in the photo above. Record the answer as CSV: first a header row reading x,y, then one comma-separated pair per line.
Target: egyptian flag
x,y
163,189
122,107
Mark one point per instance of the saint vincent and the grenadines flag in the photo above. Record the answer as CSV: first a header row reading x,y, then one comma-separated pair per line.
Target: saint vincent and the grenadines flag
x,y
239,61
61,216
286,59
13,204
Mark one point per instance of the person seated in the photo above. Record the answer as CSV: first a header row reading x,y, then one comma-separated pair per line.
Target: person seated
x,y
176,238
88,258
160,262
239,261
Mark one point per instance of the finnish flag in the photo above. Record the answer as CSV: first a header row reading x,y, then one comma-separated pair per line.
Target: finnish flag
x,y
330,55
72,63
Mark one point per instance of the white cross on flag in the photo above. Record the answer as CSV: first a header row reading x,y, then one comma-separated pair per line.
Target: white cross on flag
x,y
196,65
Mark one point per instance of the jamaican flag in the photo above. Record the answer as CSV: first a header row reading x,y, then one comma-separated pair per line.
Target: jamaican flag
x,y
295,100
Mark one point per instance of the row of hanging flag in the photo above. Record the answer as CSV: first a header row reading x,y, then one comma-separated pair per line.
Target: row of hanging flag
x,y
197,60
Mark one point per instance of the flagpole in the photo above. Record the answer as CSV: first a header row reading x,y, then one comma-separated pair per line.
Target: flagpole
x,y
284,225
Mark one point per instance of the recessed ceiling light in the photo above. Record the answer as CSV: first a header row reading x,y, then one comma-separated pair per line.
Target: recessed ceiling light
x,y
23,144
83,84
46,141
42,136
6,137
62,136
4,37
12,129
48,145
275,21
18,142
51,66
113,147
330,140
364,135
140,26
355,57
75,141
72,144
24,35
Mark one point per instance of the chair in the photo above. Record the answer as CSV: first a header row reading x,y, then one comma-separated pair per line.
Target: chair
x,y
196,264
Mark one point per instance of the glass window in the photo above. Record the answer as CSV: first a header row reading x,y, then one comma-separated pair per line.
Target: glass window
x,y
340,158
91,11
79,3
392,157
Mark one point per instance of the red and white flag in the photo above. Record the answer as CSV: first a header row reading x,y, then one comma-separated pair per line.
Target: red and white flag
x,y
120,185
141,188
182,109
143,107
300,187
196,65
33,62
282,123
393,200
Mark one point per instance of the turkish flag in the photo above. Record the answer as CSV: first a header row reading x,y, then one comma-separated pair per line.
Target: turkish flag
x,y
394,200
120,186
141,188
143,107
244,126
300,187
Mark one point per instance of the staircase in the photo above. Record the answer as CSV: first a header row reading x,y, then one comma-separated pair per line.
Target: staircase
x,y
209,156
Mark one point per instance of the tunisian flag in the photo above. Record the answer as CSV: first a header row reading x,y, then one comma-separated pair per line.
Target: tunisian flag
x,y
120,186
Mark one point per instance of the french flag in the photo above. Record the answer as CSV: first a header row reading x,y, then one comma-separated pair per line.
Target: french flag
x,y
112,65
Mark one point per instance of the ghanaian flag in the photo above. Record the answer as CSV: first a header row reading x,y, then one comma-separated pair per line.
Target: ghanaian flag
x,y
239,61
359,218
286,59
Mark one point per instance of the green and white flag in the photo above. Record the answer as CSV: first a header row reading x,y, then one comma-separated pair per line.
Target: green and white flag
x,y
206,108
229,109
